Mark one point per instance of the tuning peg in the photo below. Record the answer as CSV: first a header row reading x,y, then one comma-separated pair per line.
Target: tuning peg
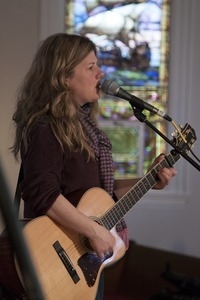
x,y
174,134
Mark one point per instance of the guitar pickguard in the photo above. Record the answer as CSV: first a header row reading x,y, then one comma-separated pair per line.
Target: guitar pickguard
x,y
90,264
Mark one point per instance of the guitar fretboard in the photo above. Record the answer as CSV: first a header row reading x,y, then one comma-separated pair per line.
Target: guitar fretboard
x,y
126,203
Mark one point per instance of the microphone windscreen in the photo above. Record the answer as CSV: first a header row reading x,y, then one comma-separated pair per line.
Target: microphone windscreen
x,y
109,87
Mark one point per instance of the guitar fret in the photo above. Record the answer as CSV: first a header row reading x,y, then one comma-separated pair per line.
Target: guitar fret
x,y
120,209
146,184
154,175
111,220
125,204
105,221
151,179
138,191
117,215
129,200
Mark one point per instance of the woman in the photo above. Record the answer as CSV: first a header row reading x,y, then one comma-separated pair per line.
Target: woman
x,y
63,151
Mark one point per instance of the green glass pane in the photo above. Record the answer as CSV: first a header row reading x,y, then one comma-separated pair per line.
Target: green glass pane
x,y
125,150
137,58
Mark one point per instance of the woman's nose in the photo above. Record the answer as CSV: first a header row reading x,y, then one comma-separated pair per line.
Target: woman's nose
x,y
100,73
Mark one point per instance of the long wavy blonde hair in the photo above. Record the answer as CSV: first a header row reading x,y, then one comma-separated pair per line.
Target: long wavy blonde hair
x,y
44,94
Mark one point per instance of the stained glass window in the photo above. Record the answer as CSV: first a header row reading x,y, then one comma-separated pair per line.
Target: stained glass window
x,y
132,38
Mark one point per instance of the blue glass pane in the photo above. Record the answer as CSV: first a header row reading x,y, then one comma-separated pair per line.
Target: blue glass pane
x,y
132,38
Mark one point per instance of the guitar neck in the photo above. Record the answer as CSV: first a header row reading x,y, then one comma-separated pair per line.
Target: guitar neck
x,y
126,203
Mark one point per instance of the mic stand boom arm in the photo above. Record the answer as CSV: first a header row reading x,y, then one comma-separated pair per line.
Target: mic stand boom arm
x,y
142,118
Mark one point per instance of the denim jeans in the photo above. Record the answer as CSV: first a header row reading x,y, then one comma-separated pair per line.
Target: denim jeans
x,y
100,291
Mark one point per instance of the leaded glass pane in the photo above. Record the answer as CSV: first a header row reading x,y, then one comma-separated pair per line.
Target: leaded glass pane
x,y
133,45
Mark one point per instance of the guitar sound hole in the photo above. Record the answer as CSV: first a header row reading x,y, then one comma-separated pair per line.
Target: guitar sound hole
x,y
87,245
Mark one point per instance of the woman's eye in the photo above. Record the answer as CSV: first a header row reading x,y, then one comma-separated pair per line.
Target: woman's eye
x,y
99,64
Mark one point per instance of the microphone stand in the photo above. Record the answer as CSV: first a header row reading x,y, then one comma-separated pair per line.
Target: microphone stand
x,y
142,118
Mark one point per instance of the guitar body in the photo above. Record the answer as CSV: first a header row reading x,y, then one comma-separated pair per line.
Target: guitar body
x,y
66,268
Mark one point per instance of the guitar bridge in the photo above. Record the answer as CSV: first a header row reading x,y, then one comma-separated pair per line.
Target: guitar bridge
x,y
66,261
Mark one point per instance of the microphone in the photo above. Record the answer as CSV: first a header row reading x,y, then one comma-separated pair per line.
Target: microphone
x,y
111,88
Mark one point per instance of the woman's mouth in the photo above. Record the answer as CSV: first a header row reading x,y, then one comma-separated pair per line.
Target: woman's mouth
x,y
98,87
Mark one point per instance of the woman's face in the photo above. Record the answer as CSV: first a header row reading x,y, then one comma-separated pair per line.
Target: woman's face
x,y
84,84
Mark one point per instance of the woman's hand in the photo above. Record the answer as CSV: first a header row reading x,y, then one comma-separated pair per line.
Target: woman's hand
x,y
102,242
164,174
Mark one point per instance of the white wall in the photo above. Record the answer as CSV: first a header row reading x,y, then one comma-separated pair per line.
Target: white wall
x,y
19,28
169,219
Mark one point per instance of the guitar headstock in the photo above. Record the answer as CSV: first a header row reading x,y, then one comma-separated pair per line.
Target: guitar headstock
x,y
184,138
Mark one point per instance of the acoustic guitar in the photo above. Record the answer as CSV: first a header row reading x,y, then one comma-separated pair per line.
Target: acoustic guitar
x,y
65,265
